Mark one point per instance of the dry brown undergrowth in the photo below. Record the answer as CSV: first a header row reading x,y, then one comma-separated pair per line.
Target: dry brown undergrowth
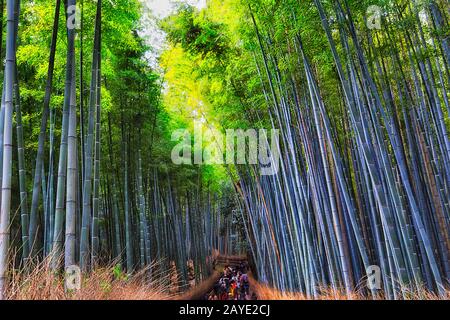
x,y
265,292
41,283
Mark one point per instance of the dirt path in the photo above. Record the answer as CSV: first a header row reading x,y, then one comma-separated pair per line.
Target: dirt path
x,y
204,289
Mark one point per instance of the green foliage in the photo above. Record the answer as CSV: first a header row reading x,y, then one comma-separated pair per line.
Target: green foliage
x,y
196,34
119,274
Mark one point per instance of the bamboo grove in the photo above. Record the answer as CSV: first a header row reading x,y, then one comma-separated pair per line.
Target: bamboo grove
x,y
376,196
363,120
380,195
362,111
86,194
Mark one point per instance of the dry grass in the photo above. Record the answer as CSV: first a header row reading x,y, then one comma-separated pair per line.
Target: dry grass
x,y
265,292
41,283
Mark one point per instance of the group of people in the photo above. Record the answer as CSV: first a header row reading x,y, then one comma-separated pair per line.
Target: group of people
x,y
232,285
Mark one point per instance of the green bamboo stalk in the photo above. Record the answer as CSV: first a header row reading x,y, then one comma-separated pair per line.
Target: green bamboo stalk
x,y
7,147
42,133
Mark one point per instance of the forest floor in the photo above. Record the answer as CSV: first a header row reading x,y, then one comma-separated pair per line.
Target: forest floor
x,y
107,284
265,292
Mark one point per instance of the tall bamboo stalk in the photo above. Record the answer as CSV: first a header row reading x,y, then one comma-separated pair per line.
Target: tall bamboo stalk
x,y
43,133
7,146
97,149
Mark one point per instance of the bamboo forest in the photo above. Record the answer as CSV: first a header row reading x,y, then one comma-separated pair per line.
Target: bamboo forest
x,y
225,150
